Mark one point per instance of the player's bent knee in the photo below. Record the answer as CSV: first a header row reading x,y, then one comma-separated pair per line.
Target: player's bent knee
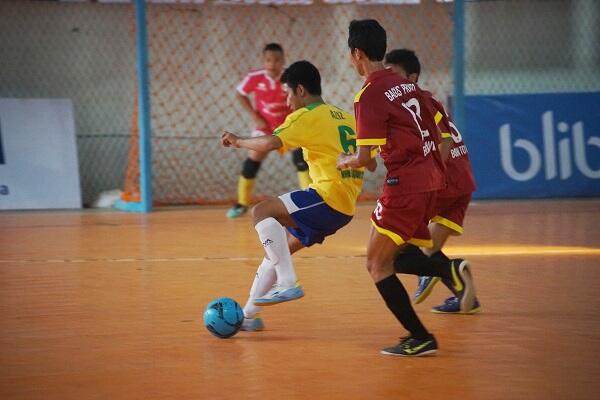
x,y
259,212
265,209
378,269
272,208
250,168
373,267
298,160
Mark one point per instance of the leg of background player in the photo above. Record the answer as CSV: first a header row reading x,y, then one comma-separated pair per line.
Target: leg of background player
x,y
455,274
439,236
246,182
430,264
302,167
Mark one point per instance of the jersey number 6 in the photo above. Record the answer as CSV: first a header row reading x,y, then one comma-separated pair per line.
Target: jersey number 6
x,y
347,138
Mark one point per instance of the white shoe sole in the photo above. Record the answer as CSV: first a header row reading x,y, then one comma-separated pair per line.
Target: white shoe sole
x,y
276,301
409,355
468,300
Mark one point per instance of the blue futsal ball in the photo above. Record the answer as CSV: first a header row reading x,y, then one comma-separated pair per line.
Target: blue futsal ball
x,y
223,317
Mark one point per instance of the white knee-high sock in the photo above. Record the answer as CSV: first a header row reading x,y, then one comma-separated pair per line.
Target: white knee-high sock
x,y
274,240
263,281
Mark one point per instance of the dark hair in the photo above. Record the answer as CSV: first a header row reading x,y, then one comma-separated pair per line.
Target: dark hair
x,y
305,74
273,47
368,36
407,59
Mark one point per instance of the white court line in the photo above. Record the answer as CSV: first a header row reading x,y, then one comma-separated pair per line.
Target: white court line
x,y
481,251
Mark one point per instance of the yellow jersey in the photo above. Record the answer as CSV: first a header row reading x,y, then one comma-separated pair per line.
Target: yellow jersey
x,y
323,132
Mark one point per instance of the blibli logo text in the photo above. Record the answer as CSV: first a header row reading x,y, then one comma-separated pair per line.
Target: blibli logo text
x,y
560,153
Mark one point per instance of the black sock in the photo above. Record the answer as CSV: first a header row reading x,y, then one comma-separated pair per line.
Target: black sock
x,y
411,249
419,264
397,301
439,255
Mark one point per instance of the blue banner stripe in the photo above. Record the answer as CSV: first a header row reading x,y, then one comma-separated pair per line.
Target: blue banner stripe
x,y
535,146
1,148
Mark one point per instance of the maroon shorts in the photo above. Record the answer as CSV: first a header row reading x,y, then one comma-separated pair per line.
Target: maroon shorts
x,y
450,212
404,218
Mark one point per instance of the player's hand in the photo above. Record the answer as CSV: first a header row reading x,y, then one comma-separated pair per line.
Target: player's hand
x,y
372,165
341,161
229,139
260,122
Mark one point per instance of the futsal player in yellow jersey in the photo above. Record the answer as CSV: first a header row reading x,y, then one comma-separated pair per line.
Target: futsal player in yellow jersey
x,y
322,131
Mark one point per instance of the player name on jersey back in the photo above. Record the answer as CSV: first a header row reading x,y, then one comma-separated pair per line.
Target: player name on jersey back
x,y
396,115
397,91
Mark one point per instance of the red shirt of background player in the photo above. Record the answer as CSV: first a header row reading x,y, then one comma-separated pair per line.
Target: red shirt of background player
x,y
269,98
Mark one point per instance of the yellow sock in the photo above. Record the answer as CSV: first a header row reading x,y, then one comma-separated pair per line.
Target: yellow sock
x,y
245,188
304,179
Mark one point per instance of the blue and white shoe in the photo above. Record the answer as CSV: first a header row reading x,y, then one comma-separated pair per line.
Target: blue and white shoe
x,y
452,306
279,294
426,284
253,324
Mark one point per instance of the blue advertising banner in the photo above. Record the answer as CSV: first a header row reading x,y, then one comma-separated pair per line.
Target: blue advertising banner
x,y
1,149
534,146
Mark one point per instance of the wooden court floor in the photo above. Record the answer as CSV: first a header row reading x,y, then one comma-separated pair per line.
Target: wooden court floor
x,y
108,305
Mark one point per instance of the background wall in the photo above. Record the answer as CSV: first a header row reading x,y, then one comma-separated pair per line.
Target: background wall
x,y
532,46
82,52
198,53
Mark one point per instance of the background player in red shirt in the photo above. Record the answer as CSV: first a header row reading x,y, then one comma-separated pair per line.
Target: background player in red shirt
x,y
396,115
453,200
269,111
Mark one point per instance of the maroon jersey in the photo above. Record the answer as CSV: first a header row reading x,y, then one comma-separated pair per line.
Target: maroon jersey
x,y
269,97
396,115
459,175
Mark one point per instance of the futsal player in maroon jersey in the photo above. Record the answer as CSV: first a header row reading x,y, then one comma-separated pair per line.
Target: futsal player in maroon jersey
x,y
453,200
395,115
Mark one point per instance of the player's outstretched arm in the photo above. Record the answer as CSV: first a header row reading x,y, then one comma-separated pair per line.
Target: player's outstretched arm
x,y
261,144
362,158
372,165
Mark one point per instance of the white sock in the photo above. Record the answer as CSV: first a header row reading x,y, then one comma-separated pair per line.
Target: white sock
x,y
263,281
274,240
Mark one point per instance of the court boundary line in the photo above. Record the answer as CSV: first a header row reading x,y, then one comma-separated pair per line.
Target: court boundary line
x,y
489,253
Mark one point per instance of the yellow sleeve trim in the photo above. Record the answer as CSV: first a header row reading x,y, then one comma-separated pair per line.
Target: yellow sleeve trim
x,y
374,152
360,92
438,117
371,142
446,135
385,232
448,224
